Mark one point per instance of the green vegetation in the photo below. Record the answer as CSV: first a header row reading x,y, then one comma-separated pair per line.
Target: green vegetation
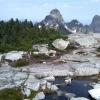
x,y
32,95
41,56
70,48
11,94
20,63
15,94
21,35
48,91
98,49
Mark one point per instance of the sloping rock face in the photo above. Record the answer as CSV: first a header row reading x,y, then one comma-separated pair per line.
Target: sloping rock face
x,y
95,93
95,25
85,40
86,71
55,20
75,25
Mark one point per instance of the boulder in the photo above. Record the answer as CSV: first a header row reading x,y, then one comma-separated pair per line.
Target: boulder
x,y
70,95
79,98
54,88
14,55
86,71
95,93
68,80
50,78
60,44
39,96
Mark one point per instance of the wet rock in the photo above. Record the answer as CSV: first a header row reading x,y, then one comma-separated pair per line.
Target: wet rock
x,y
79,98
97,85
39,96
54,88
60,44
68,80
95,93
60,93
50,78
70,95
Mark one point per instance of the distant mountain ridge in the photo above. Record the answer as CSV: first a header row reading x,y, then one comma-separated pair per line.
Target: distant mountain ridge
x,y
55,20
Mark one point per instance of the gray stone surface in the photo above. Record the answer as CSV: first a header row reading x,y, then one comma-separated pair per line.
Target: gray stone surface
x,y
39,96
79,98
60,44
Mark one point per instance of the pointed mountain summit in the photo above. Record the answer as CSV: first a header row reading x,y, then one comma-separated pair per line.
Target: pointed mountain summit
x,y
55,13
95,25
55,20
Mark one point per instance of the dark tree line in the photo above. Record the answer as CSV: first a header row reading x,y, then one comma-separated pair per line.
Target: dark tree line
x,y
21,35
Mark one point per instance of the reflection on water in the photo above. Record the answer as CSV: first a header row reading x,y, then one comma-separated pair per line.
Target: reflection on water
x,y
78,87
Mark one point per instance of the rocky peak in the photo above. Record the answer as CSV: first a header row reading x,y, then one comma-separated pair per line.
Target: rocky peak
x,y
95,25
55,20
55,13
75,25
96,17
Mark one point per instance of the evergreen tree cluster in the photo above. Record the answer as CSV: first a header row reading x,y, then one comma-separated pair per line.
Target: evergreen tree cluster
x,y
21,35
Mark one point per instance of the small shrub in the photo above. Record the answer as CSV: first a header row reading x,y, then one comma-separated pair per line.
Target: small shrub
x,y
48,91
98,49
11,94
70,48
20,63
41,56
32,95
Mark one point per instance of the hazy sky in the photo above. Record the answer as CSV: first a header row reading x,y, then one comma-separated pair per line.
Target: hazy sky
x,y
36,10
